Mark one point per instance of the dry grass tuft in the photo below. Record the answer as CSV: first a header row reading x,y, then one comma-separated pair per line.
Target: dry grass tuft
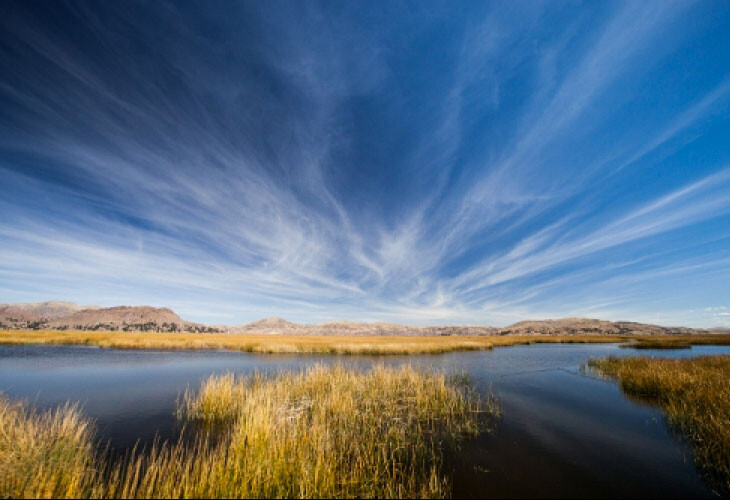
x,y
333,431
323,432
695,393
46,455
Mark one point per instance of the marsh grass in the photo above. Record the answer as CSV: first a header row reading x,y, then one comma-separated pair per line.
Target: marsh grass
x,y
45,455
648,343
293,344
333,431
264,344
694,393
322,432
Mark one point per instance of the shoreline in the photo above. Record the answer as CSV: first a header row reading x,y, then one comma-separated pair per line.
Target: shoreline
x,y
341,344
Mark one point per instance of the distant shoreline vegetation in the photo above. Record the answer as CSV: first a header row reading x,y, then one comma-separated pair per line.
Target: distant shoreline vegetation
x,y
373,345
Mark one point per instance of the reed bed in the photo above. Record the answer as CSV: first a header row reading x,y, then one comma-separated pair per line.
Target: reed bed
x,y
322,432
293,344
694,393
658,344
264,344
45,455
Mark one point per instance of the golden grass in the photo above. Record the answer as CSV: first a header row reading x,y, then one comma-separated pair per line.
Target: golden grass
x,y
675,341
290,344
658,344
44,455
323,432
253,343
694,393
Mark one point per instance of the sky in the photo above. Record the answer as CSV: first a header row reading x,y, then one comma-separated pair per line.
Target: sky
x,y
416,162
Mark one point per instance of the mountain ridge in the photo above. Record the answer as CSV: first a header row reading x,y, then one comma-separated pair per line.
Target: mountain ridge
x,y
58,315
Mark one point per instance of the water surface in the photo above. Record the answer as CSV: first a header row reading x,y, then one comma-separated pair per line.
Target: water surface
x,y
562,434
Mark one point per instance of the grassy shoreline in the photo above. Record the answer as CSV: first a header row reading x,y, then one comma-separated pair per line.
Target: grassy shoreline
x,y
695,395
290,344
321,432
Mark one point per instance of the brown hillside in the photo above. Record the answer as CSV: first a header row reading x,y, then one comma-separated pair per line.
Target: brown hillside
x,y
69,316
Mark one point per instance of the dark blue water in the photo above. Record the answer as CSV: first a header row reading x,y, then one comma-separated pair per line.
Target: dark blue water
x,y
562,434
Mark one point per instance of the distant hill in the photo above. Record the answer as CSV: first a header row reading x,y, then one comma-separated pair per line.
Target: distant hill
x,y
721,330
70,316
267,326
585,326
278,326
41,310
568,326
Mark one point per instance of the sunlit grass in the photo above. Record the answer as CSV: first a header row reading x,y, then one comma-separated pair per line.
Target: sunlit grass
x,y
658,344
265,344
332,431
694,393
323,432
45,455
291,344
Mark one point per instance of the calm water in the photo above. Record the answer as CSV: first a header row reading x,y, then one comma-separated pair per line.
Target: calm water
x,y
562,434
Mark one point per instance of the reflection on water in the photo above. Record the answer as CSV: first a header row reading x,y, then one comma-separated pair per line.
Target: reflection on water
x,y
562,434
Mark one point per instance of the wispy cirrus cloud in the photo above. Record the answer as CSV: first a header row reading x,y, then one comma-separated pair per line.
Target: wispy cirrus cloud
x,y
322,163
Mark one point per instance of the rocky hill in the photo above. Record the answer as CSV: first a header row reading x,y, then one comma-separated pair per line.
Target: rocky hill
x,y
585,326
69,316
41,310
267,326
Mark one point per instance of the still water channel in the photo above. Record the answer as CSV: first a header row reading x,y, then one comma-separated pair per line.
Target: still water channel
x,y
562,433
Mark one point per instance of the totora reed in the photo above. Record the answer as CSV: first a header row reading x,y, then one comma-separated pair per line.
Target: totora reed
x,y
694,393
322,432
46,455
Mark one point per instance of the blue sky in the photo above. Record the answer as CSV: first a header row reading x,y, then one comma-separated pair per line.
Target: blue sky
x,y
424,163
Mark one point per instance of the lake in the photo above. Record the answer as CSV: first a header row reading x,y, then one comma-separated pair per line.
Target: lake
x,y
562,434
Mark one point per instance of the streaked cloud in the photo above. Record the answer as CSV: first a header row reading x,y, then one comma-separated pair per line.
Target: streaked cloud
x,y
479,163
